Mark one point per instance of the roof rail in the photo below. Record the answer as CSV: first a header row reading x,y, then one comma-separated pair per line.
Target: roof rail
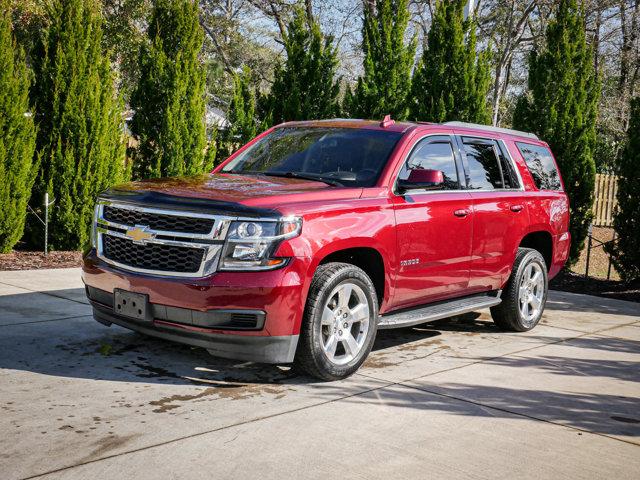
x,y
490,128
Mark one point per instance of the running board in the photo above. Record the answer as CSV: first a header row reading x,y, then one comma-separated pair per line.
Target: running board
x,y
437,311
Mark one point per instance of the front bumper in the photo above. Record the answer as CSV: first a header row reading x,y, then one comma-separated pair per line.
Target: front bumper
x,y
279,294
248,348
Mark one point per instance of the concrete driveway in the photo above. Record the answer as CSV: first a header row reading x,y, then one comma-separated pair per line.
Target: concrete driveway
x,y
456,399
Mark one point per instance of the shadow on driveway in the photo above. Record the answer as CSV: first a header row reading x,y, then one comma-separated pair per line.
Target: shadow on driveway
x,y
53,334
80,348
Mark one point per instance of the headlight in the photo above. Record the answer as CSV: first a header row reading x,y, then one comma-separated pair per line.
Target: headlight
x,y
251,244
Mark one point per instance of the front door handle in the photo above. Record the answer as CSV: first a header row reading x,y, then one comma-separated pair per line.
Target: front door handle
x,y
516,208
463,212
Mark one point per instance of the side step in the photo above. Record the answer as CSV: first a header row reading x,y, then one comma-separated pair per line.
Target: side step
x,y
438,310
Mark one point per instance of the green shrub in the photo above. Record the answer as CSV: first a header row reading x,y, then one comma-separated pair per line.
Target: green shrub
x,y
17,136
241,116
561,108
305,86
451,81
625,252
385,86
80,128
169,101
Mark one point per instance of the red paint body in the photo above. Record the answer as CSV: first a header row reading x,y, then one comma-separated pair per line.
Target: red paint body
x,y
464,241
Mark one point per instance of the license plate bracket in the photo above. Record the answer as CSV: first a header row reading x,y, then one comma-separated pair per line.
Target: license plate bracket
x,y
130,304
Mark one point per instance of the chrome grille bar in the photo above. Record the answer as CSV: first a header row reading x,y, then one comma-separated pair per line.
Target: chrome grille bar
x,y
210,243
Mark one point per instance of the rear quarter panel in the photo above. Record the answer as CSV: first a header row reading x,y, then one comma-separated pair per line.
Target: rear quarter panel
x,y
548,209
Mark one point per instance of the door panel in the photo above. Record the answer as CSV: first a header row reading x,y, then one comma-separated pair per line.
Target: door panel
x,y
434,246
497,232
499,209
434,227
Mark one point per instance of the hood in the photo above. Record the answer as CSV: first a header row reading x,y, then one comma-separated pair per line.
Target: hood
x,y
227,192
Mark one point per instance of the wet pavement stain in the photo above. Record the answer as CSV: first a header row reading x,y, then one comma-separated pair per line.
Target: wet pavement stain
x,y
380,360
154,372
222,391
107,444
412,347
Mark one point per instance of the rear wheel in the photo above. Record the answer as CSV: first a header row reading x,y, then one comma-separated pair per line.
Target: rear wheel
x,y
339,324
525,295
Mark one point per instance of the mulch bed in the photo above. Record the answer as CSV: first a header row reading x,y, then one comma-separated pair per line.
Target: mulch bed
x,y
599,259
575,283
19,260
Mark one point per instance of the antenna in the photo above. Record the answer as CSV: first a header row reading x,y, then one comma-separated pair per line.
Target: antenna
x,y
387,121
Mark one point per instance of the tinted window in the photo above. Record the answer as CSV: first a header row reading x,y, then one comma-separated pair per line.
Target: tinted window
x,y
541,165
484,169
433,156
353,157
508,172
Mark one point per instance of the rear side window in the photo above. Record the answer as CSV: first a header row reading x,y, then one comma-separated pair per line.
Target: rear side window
x,y
483,162
508,170
488,166
541,165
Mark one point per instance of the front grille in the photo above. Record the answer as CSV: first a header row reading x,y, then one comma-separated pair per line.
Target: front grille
x,y
156,221
152,256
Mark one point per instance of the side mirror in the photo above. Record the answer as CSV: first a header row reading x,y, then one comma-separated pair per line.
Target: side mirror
x,y
422,179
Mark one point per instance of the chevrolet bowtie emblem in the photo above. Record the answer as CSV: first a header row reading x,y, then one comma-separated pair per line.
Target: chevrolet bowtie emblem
x,y
139,234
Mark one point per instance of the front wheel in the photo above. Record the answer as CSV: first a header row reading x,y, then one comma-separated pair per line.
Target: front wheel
x,y
525,295
339,324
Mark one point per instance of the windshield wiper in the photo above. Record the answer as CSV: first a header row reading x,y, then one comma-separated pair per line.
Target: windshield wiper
x,y
303,176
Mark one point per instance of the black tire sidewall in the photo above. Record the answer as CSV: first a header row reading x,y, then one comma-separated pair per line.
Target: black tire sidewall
x,y
356,276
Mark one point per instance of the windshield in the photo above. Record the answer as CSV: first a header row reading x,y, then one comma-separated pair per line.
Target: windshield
x,y
341,156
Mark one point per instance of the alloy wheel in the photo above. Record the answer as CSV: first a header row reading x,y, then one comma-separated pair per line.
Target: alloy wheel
x,y
345,323
531,293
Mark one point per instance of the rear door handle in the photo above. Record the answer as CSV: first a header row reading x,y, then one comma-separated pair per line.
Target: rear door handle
x,y
463,212
516,208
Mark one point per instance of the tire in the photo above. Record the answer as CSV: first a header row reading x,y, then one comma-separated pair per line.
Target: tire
x,y
521,310
342,308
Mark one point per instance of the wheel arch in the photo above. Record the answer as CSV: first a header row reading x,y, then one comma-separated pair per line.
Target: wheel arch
x,y
368,259
542,241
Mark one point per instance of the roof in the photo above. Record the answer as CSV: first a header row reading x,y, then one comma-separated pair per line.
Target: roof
x,y
490,128
353,123
404,126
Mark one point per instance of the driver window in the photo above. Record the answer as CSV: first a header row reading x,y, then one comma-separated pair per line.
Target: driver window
x,y
433,156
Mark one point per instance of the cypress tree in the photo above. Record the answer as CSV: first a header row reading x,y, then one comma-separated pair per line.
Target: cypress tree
x,y
80,129
169,101
385,85
17,136
561,108
452,81
625,252
241,115
305,86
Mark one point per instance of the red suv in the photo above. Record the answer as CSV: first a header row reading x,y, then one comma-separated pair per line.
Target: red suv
x,y
314,235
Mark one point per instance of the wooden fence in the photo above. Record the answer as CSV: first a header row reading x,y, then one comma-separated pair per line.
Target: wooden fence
x,y
605,199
